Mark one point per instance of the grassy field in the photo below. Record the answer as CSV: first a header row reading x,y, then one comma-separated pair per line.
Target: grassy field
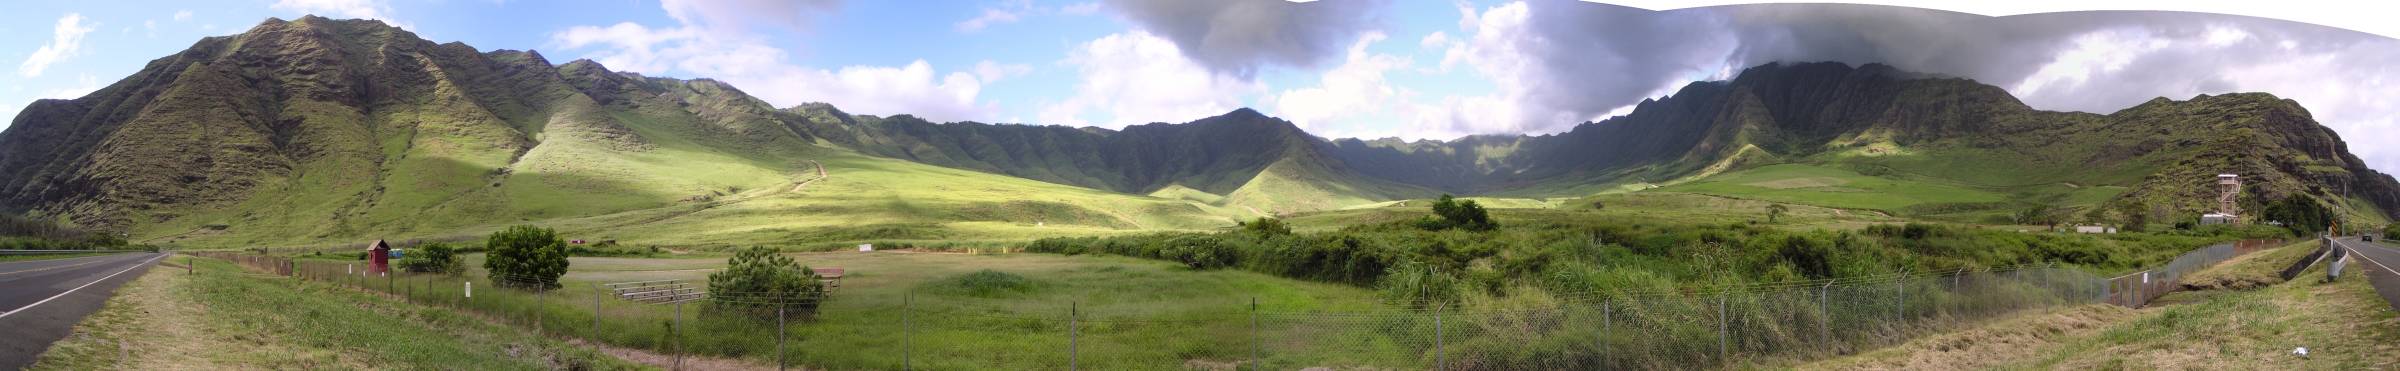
x,y
227,318
1137,314
1832,187
1656,206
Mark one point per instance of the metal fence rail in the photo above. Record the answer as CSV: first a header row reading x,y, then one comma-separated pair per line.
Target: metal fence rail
x,y
1594,330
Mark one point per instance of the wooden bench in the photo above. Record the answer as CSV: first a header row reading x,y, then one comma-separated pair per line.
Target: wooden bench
x,y
831,277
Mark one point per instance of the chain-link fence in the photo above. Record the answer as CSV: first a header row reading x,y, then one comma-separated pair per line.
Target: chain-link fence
x,y
1594,330
2139,288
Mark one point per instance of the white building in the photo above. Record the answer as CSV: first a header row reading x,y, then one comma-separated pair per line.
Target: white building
x,y
2216,218
2095,229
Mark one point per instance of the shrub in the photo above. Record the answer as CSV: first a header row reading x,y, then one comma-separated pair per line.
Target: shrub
x,y
1455,213
1266,226
434,258
526,257
985,284
1198,252
760,280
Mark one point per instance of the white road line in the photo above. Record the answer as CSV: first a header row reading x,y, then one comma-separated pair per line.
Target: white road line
x,y
2354,251
87,284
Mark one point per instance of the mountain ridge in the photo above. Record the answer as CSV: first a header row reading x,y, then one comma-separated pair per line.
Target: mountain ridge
x,y
348,127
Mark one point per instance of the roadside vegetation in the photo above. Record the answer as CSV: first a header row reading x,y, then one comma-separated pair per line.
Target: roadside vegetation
x,y
2343,324
18,232
227,318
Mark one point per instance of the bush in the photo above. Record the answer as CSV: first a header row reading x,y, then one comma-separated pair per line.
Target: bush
x,y
763,280
434,258
1199,252
526,257
1266,226
1458,214
985,284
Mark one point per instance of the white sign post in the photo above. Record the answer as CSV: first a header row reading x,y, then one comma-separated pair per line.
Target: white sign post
x,y
470,289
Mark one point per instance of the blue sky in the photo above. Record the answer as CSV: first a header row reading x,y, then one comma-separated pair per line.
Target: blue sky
x,y
1339,68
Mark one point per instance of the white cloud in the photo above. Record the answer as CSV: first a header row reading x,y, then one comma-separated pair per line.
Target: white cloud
x,y
84,84
183,15
66,41
1009,12
1080,8
346,9
631,46
1435,40
1354,90
713,41
1136,78
991,71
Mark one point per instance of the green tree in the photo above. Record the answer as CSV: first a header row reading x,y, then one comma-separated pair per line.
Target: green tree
x,y
1464,214
2036,215
2300,214
1775,211
1267,226
434,258
763,280
526,257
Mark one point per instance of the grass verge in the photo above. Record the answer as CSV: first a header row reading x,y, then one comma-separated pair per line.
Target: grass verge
x,y
2343,324
227,318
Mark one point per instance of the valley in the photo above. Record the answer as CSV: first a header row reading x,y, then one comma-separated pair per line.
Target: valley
x,y
498,209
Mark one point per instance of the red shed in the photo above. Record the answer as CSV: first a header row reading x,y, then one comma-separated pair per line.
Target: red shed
x,y
379,257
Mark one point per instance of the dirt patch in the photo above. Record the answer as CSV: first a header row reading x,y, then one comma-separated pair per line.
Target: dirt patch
x,y
1987,346
690,362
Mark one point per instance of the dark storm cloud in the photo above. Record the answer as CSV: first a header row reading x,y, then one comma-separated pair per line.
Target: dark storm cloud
x,y
1595,57
1237,37
1591,58
1560,62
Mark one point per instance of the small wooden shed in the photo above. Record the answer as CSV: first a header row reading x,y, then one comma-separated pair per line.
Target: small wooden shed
x,y
379,257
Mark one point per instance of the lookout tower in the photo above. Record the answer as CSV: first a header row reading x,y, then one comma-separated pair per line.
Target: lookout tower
x,y
2229,193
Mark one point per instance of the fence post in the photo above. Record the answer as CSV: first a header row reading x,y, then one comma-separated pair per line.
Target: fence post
x,y
907,304
1254,361
1607,324
678,334
1723,327
1900,300
1825,305
1439,362
1074,310
779,338
597,294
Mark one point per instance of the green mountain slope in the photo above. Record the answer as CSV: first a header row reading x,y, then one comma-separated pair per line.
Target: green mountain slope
x,y
318,129
1921,133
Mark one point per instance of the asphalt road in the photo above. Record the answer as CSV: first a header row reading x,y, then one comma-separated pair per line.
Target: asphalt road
x,y
41,300
2376,261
